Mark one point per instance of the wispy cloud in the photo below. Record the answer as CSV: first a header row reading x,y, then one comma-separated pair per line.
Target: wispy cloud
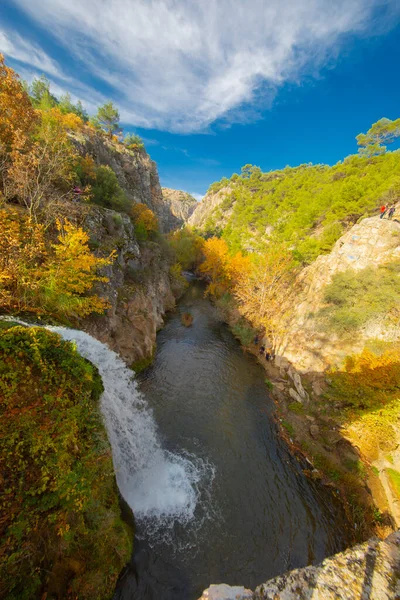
x,y
198,197
181,65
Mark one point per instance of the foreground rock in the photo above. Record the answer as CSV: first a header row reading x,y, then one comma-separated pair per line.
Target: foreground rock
x,y
370,571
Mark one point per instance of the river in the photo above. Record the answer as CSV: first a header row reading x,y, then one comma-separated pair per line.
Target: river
x,y
250,512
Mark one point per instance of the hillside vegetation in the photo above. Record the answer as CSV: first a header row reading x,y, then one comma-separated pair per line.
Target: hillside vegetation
x,y
308,207
61,531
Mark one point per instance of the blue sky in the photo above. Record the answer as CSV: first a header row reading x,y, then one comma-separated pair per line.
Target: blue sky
x,y
211,86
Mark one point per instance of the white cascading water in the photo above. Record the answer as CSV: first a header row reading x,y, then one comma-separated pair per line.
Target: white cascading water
x,y
161,487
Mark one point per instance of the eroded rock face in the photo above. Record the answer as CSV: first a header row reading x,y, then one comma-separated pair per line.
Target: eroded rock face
x,y
181,204
369,571
205,208
136,173
372,242
139,289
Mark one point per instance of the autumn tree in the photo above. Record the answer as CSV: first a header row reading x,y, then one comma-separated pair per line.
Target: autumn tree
x,y
265,292
22,254
144,219
17,116
38,277
72,273
216,265
188,247
46,168
108,118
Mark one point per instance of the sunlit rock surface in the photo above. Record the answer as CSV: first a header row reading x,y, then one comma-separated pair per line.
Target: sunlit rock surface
x,y
369,571
370,243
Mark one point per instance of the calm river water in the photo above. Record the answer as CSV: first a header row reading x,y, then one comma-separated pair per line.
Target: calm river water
x,y
256,515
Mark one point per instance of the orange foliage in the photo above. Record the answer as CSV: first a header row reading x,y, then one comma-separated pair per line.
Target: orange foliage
x,y
16,111
142,215
216,266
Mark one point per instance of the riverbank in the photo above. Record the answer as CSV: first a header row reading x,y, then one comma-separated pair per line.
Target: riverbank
x,y
312,426
249,513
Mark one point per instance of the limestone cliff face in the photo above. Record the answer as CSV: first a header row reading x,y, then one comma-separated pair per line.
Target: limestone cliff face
x,y
372,242
181,204
368,571
139,289
206,207
136,173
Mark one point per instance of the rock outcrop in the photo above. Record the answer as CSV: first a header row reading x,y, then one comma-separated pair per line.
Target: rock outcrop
x,y
136,173
370,243
182,206
370,571
206,207
139,289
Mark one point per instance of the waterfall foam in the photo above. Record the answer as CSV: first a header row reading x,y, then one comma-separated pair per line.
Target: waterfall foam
x,y
161,487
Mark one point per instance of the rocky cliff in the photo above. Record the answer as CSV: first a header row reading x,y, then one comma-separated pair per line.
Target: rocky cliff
x,y
139,289
136,173
206,207
370,571
370,243
182,206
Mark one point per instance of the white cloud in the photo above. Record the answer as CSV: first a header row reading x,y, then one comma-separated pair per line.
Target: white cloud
x,y
198,197
180,65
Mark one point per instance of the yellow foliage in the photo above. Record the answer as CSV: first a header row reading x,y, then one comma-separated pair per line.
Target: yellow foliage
x,y
41,278
42,166
22,254
265,292
142,215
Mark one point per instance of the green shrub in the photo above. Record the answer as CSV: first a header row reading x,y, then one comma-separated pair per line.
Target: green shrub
x,y
394,478
269,383
243,332
59,507
107,192
355,297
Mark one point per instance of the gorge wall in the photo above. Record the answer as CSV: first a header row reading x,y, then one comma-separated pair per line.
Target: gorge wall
x,y
139,288
136,173
182,205
307,345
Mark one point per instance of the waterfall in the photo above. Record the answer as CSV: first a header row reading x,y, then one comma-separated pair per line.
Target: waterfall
x,y
161,487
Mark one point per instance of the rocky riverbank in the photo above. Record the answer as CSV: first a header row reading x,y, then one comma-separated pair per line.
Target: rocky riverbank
x,y
370,570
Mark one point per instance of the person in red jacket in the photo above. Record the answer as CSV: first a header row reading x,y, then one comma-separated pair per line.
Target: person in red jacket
x,y
384,209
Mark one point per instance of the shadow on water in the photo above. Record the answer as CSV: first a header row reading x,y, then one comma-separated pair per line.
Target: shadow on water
x,y
257,515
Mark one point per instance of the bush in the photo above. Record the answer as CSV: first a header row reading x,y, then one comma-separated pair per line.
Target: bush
x,y
144,220
243,332
187,246
355,297
107,192
133,142
60,519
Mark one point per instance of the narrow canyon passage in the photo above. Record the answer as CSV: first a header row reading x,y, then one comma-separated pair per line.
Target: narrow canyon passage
x,y
252,514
